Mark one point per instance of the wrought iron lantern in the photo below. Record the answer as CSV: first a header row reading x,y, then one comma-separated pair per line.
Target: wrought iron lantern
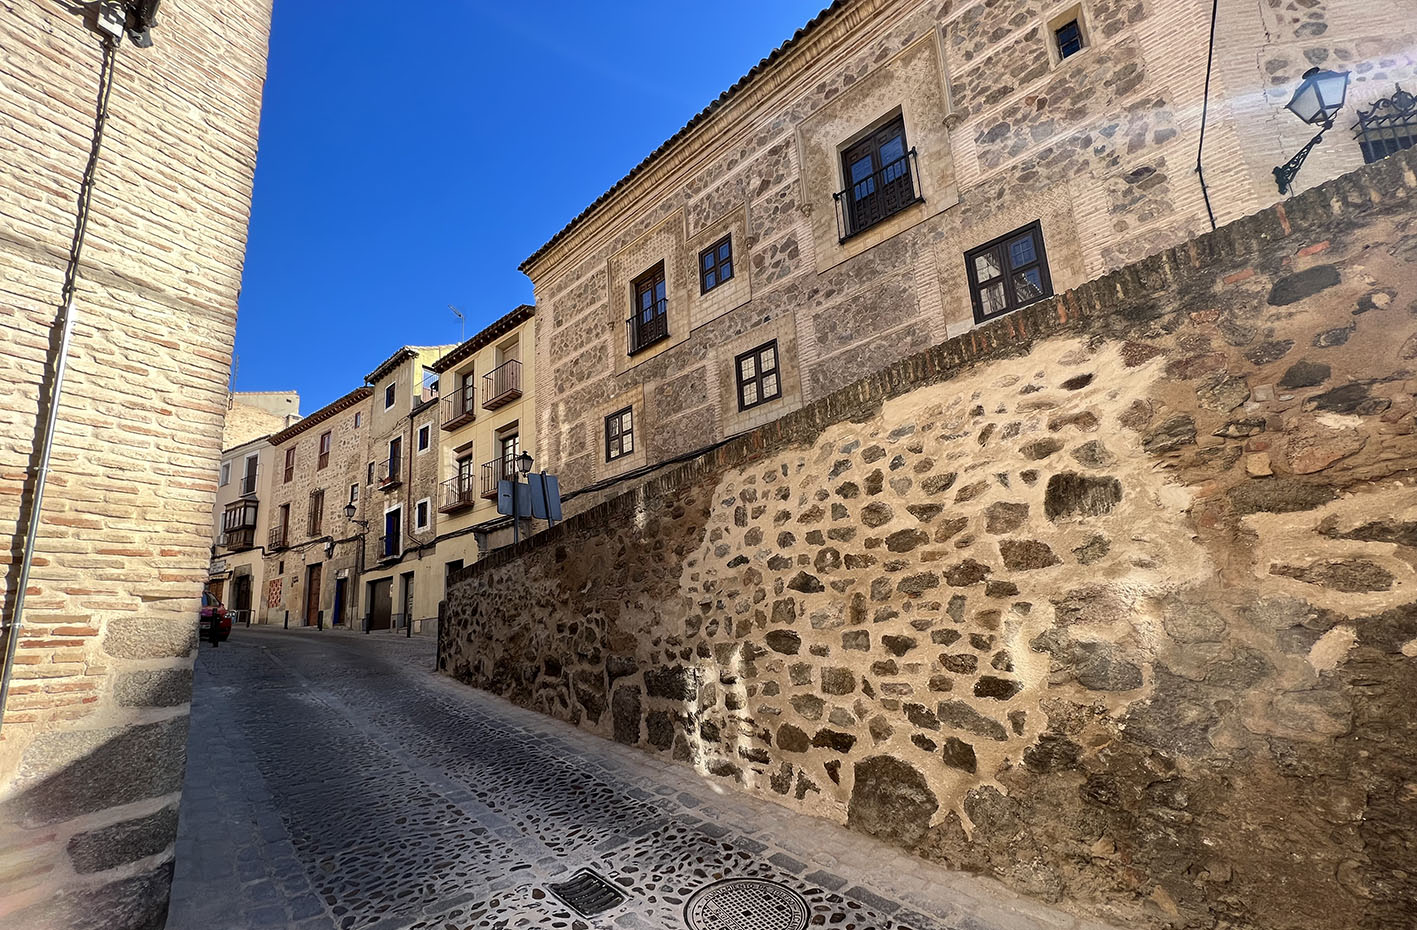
x,y
1317,101
524,463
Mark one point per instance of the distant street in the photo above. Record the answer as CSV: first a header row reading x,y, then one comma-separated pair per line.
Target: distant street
x,y
335,781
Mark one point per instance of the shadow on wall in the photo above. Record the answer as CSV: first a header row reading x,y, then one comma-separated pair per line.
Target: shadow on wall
x,y
1114,600
122,869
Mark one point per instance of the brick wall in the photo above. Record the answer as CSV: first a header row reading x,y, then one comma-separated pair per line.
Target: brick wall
x,y
1110,599
93,747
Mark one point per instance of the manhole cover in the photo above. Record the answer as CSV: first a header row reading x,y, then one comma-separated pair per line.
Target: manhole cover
x,y
587,893
746,904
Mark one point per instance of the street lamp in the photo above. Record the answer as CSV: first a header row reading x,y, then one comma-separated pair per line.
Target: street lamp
x,y
524,463
349,511
1317,101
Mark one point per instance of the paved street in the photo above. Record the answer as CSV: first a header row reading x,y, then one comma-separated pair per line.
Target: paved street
x,y
335,781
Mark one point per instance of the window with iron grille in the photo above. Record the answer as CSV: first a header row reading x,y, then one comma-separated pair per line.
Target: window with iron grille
x,y
715,264
878,176
1388,126
1069,38
619,434
650,322
317,512
326,439
1008,273
289,465
757,374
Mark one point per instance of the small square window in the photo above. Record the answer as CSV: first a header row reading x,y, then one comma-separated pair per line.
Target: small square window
x,y
1069,39
715,264
423,433
389,393
619,434
1008,273
757,375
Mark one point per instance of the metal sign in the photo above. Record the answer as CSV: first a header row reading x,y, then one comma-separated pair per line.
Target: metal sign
x,y
217,567
545,497
504,498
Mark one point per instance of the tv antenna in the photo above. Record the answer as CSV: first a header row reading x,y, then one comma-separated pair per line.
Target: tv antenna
x,y
462,321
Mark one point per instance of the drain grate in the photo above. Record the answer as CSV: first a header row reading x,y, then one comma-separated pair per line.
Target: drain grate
x,y
587,893
746,904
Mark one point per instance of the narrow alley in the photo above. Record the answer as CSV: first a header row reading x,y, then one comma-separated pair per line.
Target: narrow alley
x,y
335,781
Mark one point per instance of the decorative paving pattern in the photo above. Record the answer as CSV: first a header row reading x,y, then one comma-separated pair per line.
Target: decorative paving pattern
x,y
408,803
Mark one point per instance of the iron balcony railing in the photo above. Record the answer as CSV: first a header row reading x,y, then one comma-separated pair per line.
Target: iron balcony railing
x,y
494,471
502,385
459,493
458,410
248,483
277,537
648,326
390,473
878,196
1388,126
390,546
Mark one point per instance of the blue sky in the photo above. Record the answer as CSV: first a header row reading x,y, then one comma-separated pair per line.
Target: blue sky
x,y
412,157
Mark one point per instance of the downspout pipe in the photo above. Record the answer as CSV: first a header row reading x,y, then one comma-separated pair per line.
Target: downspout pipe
x,y
12,625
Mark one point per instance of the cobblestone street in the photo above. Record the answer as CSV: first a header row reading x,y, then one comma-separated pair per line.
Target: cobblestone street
x,y
335,781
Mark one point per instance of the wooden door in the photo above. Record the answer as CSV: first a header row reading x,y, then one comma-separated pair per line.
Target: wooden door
x,y
381,604
312,594
338,616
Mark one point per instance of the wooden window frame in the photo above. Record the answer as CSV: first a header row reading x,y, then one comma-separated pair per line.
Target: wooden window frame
x,y
759,375
717,264
1007,272
651,281
890,197
289,465
425,441
391,395
327,441
424,507
316,523
615,440
1081,38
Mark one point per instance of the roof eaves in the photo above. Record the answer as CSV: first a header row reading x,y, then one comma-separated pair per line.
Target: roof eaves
x,y
324,413
390,363
723,98
495,329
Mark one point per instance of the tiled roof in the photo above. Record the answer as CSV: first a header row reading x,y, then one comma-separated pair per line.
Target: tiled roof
x,y
495,330
324,413
699,117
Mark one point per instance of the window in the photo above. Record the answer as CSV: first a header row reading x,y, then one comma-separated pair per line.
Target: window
x,y
317,512
1008,273
423,433
1388,126
454,566
389,393
280,567
326,439
469,392
225,473
465,467
289,465
370,478
281,533
395,457
430,384
420,515
650,322
354,493
756,371
715,264
619,434
1069,38
358,419
878,178
391,543
249,470
510,444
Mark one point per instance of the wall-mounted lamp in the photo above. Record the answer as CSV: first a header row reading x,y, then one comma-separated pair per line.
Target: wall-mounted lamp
x,y
1317,101
329,548
524,463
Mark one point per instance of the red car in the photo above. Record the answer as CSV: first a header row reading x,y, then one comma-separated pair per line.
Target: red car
x,y
215,622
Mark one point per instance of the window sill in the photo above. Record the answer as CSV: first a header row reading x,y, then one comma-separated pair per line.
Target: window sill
x,y
883,220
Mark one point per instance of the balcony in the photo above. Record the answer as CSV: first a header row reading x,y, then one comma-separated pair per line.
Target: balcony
x,y
247,484
458,410
390,547
459,493
648,326
390,474
278,538
493,472
878,196
238,525
502,385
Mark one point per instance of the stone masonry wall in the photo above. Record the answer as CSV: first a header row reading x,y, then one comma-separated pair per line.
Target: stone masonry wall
x,y
1112,599
93,746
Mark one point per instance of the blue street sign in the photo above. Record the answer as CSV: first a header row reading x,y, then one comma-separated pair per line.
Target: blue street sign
x,y
504,498
545,497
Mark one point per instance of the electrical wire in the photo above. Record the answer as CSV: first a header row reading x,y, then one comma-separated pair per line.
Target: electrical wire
x,y
65,323
1205,108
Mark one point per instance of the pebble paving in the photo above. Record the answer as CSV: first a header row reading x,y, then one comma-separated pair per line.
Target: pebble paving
x,y
336,783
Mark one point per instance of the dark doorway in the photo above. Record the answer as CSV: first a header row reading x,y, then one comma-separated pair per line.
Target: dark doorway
x,y
312,594
241,598
381,604
339,601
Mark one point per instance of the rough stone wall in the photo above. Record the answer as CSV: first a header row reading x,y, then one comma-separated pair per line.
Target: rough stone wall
x,y
1111,599
253,414
93,748
1099,148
